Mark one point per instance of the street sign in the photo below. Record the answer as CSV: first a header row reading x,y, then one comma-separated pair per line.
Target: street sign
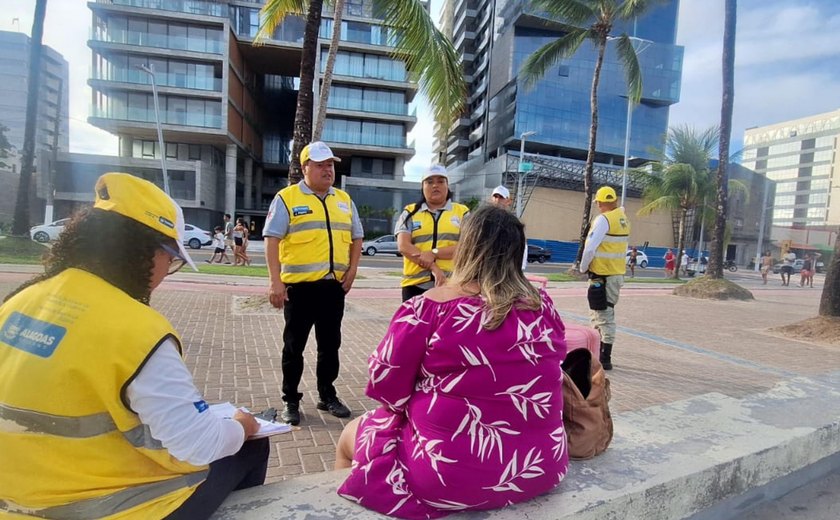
x,y
525,167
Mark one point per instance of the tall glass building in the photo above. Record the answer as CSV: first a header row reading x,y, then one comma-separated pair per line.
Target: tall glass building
x,y
803,157
227,106
495,37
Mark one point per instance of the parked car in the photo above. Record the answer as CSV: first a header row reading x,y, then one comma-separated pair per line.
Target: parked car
x,y
797,266
383,244
195,237
47,232
820,267
538,254
641,259
695,267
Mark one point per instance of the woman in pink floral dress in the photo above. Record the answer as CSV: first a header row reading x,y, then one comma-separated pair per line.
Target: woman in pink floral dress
x,y
469,379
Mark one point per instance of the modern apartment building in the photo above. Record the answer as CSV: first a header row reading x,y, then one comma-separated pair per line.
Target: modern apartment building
x,y
227,106
802,157
53,127
494,37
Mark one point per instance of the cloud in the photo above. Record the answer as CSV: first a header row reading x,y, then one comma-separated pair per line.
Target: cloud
x,y
786,64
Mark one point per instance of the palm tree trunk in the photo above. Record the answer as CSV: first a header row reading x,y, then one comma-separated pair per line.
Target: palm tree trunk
x,y
326,81
680,242
303,113
716,251
20,224
830,300
590,156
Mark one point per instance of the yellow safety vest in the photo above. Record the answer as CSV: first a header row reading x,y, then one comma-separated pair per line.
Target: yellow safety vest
x,y
70,446
319,237
428,233
610,255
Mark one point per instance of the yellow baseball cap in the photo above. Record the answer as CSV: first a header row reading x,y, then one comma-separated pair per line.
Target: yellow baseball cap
x,y
142,201
605,194
317,151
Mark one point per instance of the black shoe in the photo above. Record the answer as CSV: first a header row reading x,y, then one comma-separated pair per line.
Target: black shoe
x,y
334,406
606,356
291,414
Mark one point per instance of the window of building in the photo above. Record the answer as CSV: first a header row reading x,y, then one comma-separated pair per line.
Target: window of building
x,y
563,71
148,149
194,152
171,150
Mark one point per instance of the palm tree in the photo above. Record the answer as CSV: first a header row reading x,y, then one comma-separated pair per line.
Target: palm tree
x,y
715,269
6,148
428,54
830,300
326,82
678,188
20,225
580,21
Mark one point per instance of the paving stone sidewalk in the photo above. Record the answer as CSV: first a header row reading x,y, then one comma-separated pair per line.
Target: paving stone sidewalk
x,y
668,348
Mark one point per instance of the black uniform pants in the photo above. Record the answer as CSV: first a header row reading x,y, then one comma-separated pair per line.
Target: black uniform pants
x,y
320,304
246,468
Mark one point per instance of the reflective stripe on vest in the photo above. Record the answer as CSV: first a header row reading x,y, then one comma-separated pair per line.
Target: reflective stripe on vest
x,y
112,504
611,253
431,233
317,244
62,408
17,420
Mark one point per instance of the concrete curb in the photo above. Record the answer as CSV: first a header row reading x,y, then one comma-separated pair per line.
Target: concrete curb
x,y
666,462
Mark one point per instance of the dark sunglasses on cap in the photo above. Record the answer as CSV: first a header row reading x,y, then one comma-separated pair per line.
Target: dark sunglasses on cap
x,y
176,261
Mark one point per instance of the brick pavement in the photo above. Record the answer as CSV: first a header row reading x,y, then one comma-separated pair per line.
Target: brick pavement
x,y
668,348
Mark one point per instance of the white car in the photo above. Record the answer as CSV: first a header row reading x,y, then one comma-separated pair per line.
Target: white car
x,y
195,237
47,232
383,244
641,259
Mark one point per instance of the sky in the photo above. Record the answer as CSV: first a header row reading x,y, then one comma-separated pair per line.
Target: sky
x,y
787,66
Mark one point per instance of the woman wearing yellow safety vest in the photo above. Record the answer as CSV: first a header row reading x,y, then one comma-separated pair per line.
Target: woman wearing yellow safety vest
x,y
99,415
427,233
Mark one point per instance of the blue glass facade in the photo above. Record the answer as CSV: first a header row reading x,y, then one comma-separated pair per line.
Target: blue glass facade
x,y
558,106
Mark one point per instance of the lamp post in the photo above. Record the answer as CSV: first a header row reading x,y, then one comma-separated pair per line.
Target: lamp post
x,y
150,70
522,137
639,45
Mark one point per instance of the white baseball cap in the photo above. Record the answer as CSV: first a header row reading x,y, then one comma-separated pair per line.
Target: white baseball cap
x,y
317,151
501,191
436,170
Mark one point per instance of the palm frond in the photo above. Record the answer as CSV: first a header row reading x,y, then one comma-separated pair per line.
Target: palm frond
x,y
575,12
630,9
548,55
627,54
273,13
429,56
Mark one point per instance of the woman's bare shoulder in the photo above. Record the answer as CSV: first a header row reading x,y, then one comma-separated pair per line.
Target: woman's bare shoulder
x,y
446,293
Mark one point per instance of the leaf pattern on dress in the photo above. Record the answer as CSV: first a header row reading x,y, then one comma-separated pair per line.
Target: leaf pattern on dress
x,y
367,436
396,479
528,336
379,364
483,437
540,402
530,469
474,360
467,313
430,383
559,437
425,448
451,505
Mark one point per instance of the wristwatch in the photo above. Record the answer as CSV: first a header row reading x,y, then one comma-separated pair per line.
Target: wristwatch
x,y
435,251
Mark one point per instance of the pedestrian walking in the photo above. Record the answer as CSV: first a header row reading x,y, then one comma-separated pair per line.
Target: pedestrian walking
x,y
603,261
631,261
766,265
313,242
427,232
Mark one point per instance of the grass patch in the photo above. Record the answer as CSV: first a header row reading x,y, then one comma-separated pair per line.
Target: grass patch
x,y
562,277
20,250
654,280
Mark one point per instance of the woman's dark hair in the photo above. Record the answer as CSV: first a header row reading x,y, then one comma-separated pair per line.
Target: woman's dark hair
x,y
115,248
420,203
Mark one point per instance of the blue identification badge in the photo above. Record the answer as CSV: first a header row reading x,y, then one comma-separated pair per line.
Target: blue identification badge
x,y
201,406
30,335
415,224
301,210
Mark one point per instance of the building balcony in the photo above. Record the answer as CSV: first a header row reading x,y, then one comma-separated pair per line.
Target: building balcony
x,y
169,117
457,144
192,7
140,77
380,140
142,39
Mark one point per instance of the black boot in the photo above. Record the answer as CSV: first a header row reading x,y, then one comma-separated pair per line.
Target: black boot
x,y
606,356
